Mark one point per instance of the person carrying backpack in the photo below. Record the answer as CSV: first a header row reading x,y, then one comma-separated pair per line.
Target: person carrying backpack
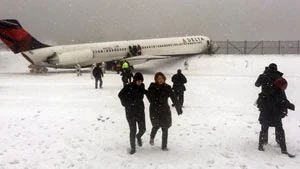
x,y
272,104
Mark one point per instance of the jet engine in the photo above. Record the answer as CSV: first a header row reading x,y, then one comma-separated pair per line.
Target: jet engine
x,y
71,58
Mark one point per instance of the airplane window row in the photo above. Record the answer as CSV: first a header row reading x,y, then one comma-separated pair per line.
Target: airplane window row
x,y
110,50
145,47
168,45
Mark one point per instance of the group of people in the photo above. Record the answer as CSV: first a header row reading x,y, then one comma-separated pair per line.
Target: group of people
x,y
273,106
97,73
272,103
158,93
134,51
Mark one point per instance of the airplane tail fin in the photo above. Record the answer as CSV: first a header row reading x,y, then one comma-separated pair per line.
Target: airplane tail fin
x,y
17,38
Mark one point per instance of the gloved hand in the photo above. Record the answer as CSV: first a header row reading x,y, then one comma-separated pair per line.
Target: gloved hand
x,y
291,106
179,111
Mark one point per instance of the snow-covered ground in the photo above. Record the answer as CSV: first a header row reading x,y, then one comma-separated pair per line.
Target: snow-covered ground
x,y
58,120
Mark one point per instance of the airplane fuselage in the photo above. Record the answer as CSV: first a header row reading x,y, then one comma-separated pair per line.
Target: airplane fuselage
x,y
67,56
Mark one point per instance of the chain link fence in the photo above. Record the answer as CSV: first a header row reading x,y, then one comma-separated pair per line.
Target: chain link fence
x,y
258,47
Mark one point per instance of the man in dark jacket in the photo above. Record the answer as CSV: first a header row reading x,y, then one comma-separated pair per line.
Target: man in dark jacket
x,y
131,97
98,74
178,86
160,112
272,104
126,76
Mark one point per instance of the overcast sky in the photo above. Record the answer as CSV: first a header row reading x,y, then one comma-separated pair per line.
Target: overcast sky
x,y
79,21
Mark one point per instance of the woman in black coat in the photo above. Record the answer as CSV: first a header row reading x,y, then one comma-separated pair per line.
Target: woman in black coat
x,y
160,112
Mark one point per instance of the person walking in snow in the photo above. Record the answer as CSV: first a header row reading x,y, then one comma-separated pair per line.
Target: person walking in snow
x,y
273,106
160,113
131,97
186,65
126,76
178,86
98,74
92,68
125,65
118,66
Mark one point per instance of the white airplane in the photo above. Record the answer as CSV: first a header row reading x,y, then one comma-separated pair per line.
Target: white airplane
x,y
85,55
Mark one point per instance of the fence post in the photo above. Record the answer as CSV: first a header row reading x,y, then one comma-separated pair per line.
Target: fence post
x,y
298,50
245,47
262,47
227,47
279,46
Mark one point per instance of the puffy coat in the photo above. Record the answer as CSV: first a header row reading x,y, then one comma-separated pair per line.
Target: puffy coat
x,y
97,72
272,102
160,112
178,82
131,97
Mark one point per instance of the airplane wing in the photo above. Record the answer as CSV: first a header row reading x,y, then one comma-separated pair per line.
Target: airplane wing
x,y
135,60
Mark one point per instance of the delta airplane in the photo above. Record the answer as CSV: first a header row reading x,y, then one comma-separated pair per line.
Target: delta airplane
x,y
42,56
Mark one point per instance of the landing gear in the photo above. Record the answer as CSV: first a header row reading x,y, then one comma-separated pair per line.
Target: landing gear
x,y
37,69
78,69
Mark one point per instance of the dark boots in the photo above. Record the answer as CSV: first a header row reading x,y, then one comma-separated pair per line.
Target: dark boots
x,y
263,137
164,137
279,136
132,151
139,141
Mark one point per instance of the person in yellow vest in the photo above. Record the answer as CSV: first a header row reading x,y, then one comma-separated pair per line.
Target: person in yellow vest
x,y
125,65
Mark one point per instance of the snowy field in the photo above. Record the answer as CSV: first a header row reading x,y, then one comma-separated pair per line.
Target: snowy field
x,y
58,120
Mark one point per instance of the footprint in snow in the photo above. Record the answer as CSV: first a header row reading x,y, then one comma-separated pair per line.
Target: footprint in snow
x,y
226,155
103,119
243,166
14,162
210,163
71,166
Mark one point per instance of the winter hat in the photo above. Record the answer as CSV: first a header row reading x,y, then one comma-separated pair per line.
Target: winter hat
x,y
273,66
281,83
179,71
138,76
